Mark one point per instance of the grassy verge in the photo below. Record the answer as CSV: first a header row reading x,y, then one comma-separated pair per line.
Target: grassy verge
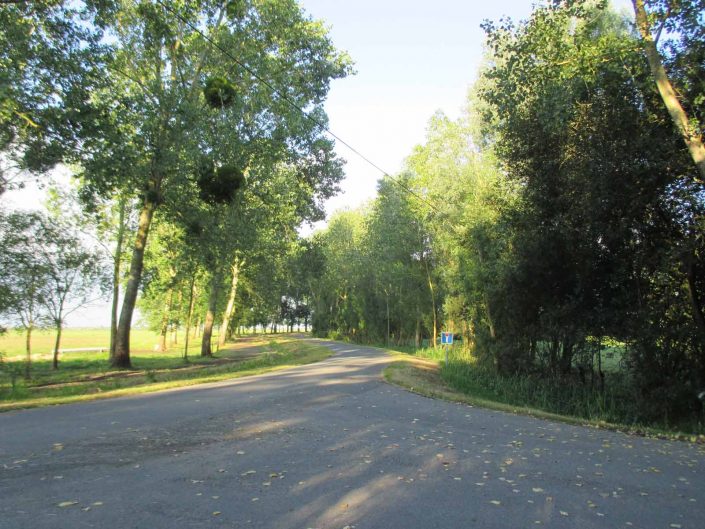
x,y
93,380
424,372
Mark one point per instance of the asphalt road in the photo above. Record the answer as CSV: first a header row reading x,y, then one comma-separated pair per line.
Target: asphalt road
x,y
331,446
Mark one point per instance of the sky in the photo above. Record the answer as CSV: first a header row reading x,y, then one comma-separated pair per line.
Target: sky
x,y
412,58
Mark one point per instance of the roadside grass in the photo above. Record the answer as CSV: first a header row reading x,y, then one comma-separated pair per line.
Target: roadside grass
x,y
76,365
93,379
464,380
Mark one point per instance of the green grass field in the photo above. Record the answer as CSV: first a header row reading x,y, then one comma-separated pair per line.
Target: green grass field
x,y
12,343
86,375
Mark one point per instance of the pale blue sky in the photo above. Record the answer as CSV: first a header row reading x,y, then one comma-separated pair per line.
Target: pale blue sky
x,y
412,57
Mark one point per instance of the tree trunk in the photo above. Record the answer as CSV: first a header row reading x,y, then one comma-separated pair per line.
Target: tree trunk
x,y
490,322
227,315
164,330
680,119
57,344
695,304
417,339
116,276
387,292
210,316
28,348
433,303
122,344
191,303
174,324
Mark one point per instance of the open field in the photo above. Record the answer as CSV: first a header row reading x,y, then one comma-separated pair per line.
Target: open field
x,y
12,344
87,375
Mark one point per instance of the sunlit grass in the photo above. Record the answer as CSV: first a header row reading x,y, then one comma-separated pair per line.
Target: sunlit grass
x,y
89,378
12,343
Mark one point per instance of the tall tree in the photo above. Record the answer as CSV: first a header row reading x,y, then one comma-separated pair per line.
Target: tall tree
x,y
683,19
174,66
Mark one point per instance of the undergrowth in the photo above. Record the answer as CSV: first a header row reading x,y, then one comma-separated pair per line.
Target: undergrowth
x,y
617,403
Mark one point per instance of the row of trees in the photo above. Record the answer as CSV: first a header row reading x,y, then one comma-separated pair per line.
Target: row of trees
x,y
183,124
563,210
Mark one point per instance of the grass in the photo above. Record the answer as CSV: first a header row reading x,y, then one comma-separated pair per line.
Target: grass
x,y
13,343
87,376
463,380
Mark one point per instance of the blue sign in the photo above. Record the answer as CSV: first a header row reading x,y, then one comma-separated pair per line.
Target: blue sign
x,y
447,338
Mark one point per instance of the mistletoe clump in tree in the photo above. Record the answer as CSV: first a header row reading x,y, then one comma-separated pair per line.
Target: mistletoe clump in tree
x,y
219,184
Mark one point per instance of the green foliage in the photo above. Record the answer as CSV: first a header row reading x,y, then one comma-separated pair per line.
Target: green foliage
x,y
609,216
219,184
572,219
236,9
50,60
219,92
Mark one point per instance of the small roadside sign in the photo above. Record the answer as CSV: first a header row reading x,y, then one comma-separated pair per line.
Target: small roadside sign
x,y
447,338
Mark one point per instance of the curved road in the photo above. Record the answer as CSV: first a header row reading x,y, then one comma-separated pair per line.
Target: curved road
x,y
330,446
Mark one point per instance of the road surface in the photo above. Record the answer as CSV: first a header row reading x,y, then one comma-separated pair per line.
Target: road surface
x,y
331,446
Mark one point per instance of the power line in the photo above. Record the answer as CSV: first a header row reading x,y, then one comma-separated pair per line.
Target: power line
x,y
294,105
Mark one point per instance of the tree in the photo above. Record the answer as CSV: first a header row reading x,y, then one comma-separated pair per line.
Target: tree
x,y
168,78
684,19
605,235
74,275
50,60
24,275
105,222
48,273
